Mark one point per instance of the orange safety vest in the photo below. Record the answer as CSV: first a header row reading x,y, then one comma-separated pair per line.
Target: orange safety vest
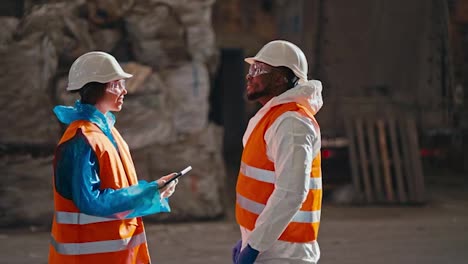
x,y
256,182
81,238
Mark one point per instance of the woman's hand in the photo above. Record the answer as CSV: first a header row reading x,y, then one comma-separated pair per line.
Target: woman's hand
x,y
169,189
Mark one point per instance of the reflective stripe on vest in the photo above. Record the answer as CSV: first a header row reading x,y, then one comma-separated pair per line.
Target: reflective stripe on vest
x,y
98,247
269,176
257,208
79,218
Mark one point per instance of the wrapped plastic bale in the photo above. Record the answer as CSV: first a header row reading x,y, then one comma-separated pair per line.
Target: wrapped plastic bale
x,y
106,39
140,75
104,12
196,18
202,45
188,88
156,34
25,98
27,198
191,12
194,12
196,15
198,194
146,117
61,95
60,21
9,25
150,21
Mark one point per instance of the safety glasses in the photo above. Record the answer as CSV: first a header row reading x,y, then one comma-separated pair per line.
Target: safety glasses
x,y
116,87
258,68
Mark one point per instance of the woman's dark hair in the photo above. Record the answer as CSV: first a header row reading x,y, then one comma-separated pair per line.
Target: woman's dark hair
x,y
91,92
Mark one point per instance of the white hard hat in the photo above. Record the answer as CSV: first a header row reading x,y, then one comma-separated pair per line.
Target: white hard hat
x,y
95,66
283,53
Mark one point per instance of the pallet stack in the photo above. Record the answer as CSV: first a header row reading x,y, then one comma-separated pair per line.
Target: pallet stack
x,y
385,160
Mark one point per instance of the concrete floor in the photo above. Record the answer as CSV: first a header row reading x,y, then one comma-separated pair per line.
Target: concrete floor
x,y
434,233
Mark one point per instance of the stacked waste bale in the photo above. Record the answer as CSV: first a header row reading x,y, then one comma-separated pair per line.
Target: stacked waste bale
x,y
26,197
9,25
169,46
178,44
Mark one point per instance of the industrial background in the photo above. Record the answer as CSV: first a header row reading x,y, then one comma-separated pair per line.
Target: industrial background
x,y
394,121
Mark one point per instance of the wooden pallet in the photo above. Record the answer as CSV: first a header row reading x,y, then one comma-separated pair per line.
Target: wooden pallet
x,y
385,161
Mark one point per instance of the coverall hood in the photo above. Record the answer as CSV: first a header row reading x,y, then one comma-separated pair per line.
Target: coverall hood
x,y
308,94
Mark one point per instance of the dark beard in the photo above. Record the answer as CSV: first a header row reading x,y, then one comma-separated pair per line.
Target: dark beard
x,y
267,90
256,95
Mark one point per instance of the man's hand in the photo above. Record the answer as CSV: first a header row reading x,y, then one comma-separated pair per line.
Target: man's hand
x,y
247,256
235,251
168,190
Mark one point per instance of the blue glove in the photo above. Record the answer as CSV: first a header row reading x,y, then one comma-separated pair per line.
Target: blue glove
x,y
247,256
235,251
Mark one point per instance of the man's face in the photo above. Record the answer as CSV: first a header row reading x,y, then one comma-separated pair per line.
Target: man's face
x,y
114,95
259,81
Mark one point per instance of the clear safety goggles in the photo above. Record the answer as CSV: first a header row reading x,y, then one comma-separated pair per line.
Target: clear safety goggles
x,y
258,68
116,87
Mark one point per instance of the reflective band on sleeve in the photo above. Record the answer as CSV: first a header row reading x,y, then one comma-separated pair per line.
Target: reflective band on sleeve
x,y
257,208
269,176
79,218
98,247
257,174
307,217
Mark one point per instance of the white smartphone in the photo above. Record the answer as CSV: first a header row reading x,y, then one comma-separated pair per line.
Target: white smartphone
x,y
180,173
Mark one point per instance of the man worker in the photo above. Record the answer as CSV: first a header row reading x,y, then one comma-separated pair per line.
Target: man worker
x,y
98,200
279,187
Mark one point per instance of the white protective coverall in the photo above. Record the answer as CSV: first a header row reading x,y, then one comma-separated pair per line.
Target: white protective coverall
x,y
286,140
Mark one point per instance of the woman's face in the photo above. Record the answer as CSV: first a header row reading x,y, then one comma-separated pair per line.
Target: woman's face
x,y
114,96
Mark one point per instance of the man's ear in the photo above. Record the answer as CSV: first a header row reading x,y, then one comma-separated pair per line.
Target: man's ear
x,y
280,79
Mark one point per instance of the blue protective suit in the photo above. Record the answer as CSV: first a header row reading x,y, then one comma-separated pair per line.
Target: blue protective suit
x,y
77,173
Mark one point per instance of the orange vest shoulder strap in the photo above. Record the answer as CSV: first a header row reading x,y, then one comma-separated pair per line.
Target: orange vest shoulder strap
x,y
278,110
85,126
271,116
